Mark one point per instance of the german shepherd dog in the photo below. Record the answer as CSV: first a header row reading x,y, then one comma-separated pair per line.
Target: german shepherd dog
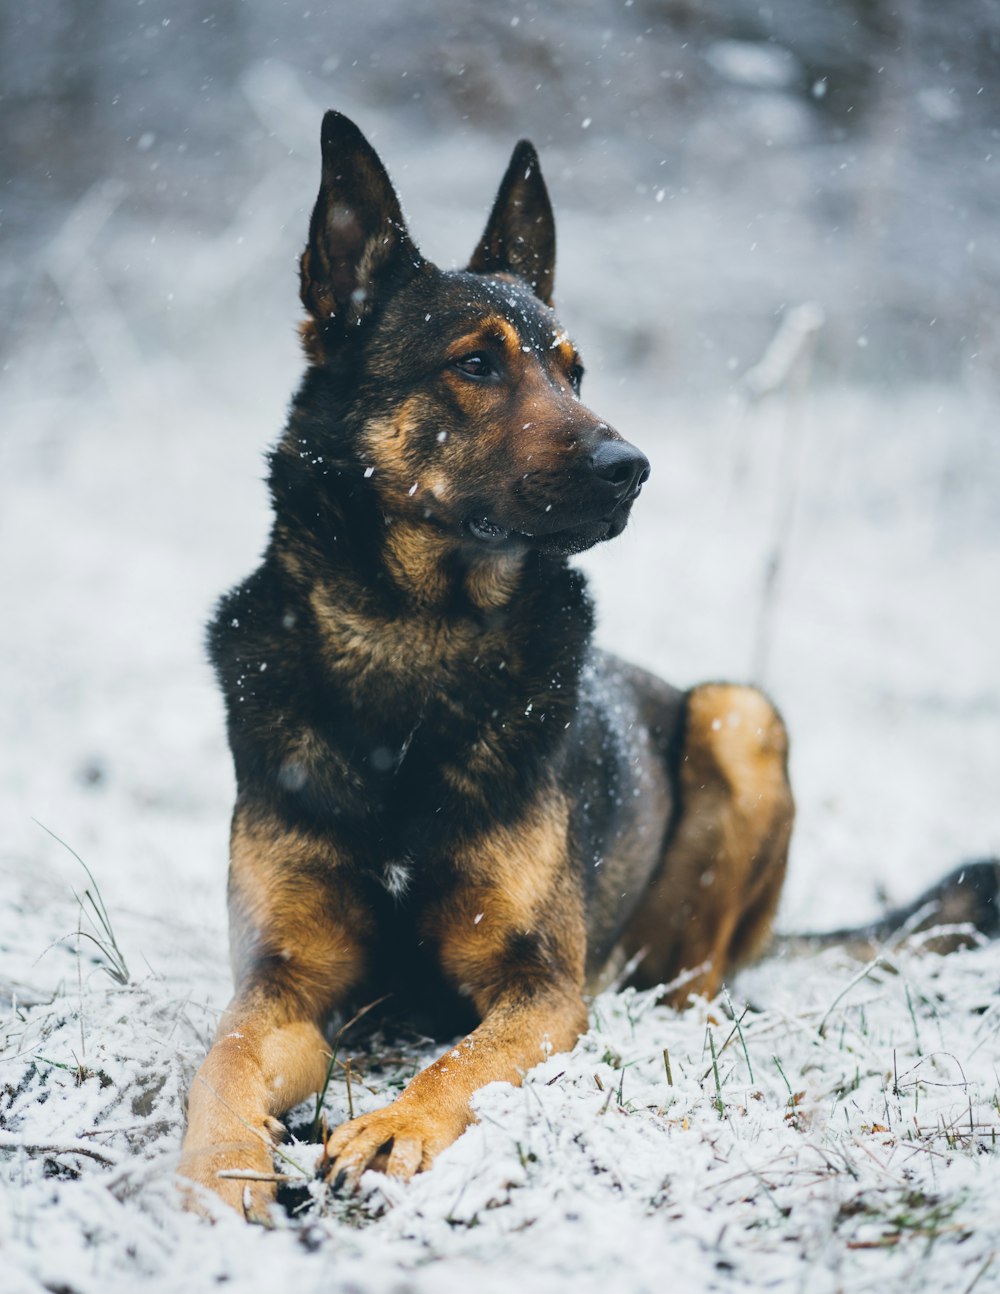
x,y
445,792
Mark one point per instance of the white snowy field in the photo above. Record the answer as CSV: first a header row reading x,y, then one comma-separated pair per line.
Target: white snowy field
x,y
844,1137
157,184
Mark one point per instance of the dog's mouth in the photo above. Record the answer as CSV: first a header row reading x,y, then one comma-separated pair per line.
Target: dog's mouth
x,y
487,531
559,538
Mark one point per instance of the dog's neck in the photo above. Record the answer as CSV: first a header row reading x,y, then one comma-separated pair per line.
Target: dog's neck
x,y
330,527
416,617
434,573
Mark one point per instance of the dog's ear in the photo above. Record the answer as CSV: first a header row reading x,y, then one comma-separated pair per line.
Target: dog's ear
x,y
520,235
358,241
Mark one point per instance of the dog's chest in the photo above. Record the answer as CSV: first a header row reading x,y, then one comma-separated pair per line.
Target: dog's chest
x,y
396,876
405,898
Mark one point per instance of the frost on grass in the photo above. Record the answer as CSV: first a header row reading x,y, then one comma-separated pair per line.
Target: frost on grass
x,y
814,1127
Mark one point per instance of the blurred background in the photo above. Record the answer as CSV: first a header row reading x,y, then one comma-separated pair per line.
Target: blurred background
x,y
714,162
777,253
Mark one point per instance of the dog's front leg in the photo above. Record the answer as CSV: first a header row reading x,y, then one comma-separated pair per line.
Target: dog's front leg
x,y
434,1110
263,1061
511,935
296,932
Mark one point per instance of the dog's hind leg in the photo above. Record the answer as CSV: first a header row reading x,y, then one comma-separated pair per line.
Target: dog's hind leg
x,y
296,952
711,903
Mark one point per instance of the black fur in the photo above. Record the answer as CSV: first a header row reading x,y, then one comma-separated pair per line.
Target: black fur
x,y
365,758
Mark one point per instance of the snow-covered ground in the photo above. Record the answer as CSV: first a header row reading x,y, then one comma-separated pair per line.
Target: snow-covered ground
x,y
844,1138
849,1140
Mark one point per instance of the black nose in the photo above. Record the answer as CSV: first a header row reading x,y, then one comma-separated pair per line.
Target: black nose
x,y
621,464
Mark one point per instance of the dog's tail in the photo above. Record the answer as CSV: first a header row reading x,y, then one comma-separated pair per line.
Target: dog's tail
x,y
958,912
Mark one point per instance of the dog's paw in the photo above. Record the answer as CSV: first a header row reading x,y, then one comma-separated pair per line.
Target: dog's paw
x,y
235,1174
398,1140
207,1194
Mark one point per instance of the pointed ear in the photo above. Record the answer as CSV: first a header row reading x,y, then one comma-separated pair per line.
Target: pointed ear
x,y
358,241
520,235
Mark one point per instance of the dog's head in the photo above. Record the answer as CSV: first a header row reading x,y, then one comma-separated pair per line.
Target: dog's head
x,y
463,402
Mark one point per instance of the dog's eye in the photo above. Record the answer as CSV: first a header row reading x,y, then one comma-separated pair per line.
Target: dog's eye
x,y
478,364
576,377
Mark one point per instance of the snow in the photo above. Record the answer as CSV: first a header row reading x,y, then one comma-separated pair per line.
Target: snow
x,y
849,1141
884,642
860,1153
766,66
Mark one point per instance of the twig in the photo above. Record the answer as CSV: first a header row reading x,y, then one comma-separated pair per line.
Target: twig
x,y
685,977
263,1137
862,975
981,1273
321,1095
350,1097
786,365
38,1148
250,1175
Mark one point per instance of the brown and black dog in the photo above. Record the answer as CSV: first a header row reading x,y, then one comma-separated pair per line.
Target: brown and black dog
x,y
445,792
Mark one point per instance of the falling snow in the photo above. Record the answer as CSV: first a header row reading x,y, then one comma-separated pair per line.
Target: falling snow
x,y
825,525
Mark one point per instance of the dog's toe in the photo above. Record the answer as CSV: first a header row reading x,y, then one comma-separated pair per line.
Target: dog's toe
x,y
398,1142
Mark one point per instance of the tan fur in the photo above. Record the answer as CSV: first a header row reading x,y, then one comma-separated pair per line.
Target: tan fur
x,y
712,901
494,326
514,882
311,338
493,581
388,451
256,1069
434,1109
470,772
269,1053
306,752
361,650
414,554
566,350
283,899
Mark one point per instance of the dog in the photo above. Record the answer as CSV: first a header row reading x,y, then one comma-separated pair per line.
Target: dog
x,y
445,791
